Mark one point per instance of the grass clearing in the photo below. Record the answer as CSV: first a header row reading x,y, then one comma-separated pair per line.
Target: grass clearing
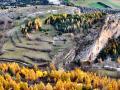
x,y
93,3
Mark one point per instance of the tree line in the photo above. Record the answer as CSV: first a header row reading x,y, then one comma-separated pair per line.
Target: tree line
x,y
67,23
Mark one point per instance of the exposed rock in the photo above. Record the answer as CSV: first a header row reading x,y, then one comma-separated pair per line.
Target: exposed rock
x,y
89,49
88,46
64,57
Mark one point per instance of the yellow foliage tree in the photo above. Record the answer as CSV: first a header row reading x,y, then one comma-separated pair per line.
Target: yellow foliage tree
x,y
48,87
38,23
23,86
41,86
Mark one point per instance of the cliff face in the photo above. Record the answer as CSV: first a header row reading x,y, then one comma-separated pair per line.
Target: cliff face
x,y
110,30
88,46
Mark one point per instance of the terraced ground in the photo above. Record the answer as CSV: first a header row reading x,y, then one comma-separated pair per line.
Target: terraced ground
x,y
93,3
40,50
28,51
37,51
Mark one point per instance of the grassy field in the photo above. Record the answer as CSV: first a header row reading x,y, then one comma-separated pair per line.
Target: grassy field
x,y
93,3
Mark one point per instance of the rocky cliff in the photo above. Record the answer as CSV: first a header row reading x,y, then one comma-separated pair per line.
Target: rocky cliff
x,y
88,46
110,30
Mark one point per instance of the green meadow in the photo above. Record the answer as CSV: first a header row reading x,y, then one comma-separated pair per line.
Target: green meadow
x,y
94,4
